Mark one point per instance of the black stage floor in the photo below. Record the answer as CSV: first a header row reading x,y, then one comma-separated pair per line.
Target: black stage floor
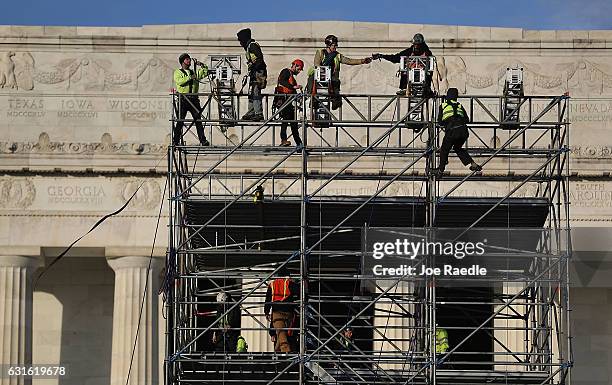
x,y
278,222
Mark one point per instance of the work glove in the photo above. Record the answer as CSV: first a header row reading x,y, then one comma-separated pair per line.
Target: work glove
x,y
376,56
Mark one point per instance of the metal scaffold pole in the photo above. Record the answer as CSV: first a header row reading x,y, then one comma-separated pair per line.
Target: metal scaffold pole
x,y
244,211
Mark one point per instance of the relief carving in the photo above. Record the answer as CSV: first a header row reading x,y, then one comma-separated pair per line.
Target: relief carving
x,y
147,197
17,71
105,146
16,193
94,73
581,76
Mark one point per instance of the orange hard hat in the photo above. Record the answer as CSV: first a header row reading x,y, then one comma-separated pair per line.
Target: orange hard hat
x,y
298,62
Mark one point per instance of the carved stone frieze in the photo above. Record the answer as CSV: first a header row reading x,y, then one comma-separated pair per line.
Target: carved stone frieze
x,y
579,75
105,146
85,72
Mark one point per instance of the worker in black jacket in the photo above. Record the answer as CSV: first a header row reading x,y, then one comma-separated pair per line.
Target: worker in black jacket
x,y
225,338
453,117
258,74
418,48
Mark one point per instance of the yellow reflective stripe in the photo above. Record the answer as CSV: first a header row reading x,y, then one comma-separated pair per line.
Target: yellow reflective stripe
x,y
448,110
250,57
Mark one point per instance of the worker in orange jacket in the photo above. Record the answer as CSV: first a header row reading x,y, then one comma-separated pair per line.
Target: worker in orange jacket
x,y
280,309
288,85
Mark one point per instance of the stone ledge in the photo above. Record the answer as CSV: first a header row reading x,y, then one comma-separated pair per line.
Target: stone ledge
x,y
122,251
60,31
29,251
506,33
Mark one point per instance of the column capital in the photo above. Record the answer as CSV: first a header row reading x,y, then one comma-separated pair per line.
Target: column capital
x,y
27,261
134,261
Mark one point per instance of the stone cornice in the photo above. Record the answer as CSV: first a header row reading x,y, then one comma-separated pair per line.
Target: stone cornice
x,y
302,29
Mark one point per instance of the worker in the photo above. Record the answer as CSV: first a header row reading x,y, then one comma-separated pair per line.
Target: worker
x,y
226,338
280,309
287,85
241,345
453,117
441,340
441,345
418,48
329,56
258,194
347,338
187,85
257,72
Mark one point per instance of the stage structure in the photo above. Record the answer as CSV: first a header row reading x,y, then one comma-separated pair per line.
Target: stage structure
x,y
245,208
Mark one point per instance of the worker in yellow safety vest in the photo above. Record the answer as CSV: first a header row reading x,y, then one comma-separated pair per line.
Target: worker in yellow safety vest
x,y
453,117
329,56
441,340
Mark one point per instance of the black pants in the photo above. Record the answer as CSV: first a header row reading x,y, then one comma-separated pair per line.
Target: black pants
x,y
334,94
288,113
455,138
227,341
189,104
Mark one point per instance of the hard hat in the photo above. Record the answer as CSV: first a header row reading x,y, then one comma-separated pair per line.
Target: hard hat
x,y
418,39
221,297
298,63
244,34
331,39
452,93
183,57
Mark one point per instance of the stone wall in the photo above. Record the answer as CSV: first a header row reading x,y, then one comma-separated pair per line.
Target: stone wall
x,y
84,120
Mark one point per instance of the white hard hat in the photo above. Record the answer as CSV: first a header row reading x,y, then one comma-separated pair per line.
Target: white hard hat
x,y
222,297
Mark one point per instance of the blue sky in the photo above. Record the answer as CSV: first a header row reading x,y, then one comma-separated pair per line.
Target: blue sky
x,y
530,14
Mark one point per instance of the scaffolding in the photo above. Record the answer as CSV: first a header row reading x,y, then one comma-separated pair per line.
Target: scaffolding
x,y
362,174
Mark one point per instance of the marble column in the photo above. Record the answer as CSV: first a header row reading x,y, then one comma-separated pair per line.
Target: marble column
x,y
130,280
392,322
16,313
514,340
253,318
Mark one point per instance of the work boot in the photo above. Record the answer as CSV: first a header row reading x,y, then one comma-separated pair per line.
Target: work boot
x,y
475,167
285,143
437,172
257,118
248,116
205,143
401,92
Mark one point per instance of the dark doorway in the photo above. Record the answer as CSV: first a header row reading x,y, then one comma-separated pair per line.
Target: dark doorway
x,y
460,319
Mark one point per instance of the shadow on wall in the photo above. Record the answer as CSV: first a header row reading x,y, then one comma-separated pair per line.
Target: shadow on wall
x,y
73,319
